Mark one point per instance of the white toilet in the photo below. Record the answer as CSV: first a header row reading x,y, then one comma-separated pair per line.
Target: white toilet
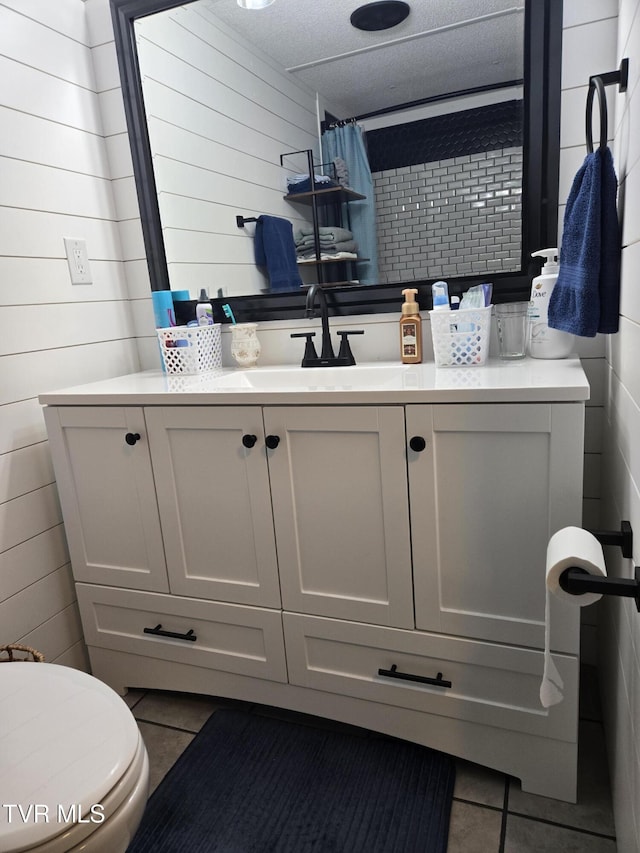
x,y
74,771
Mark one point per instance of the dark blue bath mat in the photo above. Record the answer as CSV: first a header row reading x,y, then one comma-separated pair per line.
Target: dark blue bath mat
x,y
252,784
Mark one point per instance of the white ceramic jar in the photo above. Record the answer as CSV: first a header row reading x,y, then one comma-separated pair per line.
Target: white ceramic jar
x,y
245,346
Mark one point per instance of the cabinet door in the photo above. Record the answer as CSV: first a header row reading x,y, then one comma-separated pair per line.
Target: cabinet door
x,y
340,505
493,483
215,504
107,494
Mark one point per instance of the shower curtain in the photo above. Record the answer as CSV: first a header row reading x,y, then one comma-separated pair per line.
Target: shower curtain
x,y
348,142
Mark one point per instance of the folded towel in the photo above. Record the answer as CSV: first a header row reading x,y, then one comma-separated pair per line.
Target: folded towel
x,y
342,171
330,233
302,183
331,248
328,256
585,298
275,250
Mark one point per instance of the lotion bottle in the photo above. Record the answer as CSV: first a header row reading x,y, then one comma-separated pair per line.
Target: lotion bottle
x,y
545,342
204,311
410,329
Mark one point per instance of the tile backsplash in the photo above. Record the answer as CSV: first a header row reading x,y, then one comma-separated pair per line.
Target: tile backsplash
x,y
470,207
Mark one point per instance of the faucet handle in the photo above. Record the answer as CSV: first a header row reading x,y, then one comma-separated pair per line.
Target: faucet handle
x,y
309,349
345,347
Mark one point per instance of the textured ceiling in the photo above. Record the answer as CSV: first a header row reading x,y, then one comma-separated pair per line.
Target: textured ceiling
x,y
443,46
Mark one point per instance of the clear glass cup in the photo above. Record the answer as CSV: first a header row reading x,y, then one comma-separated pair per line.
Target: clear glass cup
x,y
512,321
245,346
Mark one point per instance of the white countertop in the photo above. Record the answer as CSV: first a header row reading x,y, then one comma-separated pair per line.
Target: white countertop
x,y
523,381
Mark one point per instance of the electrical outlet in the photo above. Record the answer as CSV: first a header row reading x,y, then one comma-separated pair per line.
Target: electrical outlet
x,y
78,261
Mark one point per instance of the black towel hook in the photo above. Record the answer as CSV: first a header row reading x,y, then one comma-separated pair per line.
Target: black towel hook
x,y
597,84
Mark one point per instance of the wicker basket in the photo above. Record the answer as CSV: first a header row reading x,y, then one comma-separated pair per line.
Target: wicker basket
x,y
32,654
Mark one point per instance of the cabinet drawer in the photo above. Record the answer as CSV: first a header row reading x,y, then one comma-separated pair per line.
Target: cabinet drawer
x,y
490,684
228,637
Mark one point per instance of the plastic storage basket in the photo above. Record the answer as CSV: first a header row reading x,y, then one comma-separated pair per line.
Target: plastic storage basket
x,y
191,349
460,338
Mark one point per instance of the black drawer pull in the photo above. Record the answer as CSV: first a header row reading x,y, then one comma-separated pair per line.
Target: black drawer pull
x,y
421,679
417,443
158,632
131,438
272,441
249,440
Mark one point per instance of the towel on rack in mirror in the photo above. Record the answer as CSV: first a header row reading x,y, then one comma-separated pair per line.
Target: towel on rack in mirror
x,y
275,250
586,296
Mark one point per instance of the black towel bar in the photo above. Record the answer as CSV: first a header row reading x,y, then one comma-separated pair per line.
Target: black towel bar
x,y
622,537
242,220
597,82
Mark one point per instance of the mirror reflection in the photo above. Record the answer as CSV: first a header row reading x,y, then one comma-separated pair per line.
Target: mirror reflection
x,y
230,94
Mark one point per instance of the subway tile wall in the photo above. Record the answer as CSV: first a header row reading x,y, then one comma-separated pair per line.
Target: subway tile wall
x,y
451,217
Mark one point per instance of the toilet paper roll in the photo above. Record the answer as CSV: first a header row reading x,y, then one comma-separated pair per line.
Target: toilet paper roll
x,y
571,547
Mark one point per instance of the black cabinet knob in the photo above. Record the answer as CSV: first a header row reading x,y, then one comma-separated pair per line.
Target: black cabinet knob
x,y
417,443
249,440
132,437
272,441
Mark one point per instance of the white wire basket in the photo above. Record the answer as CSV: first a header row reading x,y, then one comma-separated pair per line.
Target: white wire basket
x,y
191,349
460,338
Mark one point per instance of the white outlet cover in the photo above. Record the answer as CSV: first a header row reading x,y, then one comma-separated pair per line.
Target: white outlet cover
x,y
78,260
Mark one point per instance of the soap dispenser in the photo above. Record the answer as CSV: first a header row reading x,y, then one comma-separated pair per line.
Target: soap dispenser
x,y
410,329
545,342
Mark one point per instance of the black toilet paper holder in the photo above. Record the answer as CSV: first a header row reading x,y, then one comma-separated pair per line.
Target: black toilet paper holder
x,y
577,581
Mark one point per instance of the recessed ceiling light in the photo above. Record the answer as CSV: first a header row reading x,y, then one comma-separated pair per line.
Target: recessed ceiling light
x,y
254,4
380,15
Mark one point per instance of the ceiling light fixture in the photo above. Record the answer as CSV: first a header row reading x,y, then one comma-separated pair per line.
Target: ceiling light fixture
x,y
380,15
254,4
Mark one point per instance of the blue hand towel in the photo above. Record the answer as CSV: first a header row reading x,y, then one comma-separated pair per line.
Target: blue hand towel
x,y
275,250
609,282
585,298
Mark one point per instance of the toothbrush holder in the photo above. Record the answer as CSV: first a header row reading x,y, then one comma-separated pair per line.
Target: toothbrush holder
x,y
245,346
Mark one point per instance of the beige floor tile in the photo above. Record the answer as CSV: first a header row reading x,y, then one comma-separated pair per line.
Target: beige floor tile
x,y
132,697
180,710
593,810
164,747
474,829
479,784
531,836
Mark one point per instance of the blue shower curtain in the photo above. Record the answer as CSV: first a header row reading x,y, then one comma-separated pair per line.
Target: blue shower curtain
x,y
348,142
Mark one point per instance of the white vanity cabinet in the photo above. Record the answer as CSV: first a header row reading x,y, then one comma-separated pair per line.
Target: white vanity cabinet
x,y
377,562
107,492
491,486
341,512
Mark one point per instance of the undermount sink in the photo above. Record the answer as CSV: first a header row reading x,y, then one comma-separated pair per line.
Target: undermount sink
x,y
300,378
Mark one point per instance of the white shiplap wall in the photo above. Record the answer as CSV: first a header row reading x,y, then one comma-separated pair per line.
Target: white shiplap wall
x,y
217,150
55,179
591,24
620,628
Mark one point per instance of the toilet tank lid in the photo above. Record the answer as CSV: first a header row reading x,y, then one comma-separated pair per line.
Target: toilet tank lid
x,y
66,740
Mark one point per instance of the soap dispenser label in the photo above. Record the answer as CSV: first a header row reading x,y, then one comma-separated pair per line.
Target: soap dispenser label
x,y
409,339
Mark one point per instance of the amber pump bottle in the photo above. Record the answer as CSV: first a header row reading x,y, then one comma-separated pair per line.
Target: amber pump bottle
x,y
410,329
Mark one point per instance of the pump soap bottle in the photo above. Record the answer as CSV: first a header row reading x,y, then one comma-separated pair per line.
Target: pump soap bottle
x,y
410,329
545,342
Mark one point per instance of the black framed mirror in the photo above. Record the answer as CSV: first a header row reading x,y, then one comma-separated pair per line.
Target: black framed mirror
x,y
540,143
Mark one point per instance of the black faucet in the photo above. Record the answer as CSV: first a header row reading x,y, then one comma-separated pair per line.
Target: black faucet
x,y
327,356
316,291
